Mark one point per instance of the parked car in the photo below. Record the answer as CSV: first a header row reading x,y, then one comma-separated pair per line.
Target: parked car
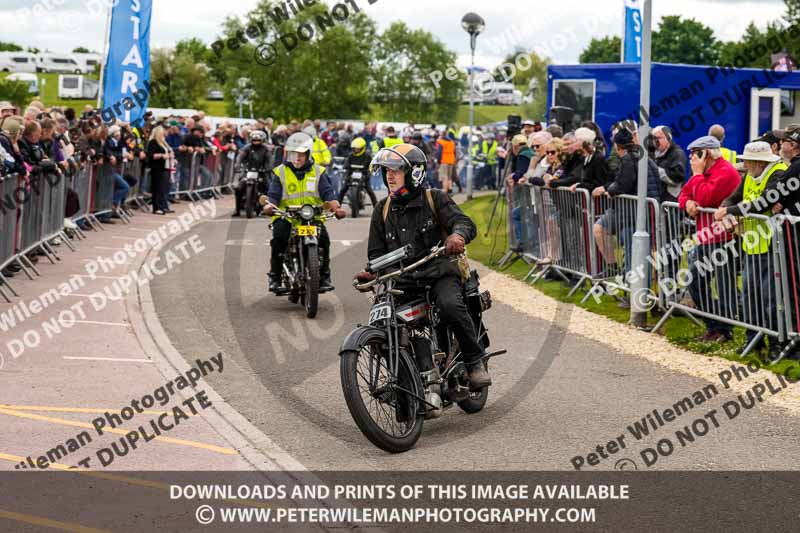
x,y
215,94
17,62
25,77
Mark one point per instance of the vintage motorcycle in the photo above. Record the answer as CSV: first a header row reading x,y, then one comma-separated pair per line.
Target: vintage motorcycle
x,y
300,280
405,366
254,182
356,195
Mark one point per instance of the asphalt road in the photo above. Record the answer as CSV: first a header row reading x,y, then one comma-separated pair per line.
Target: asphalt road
x,y
557,394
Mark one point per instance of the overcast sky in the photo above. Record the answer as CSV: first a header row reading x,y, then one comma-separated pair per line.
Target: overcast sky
x,y
560,29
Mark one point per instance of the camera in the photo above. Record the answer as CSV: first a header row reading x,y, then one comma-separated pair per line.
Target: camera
x,y
514,126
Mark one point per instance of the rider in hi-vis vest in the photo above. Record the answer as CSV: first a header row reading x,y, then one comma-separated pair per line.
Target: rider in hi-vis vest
x,y
297,182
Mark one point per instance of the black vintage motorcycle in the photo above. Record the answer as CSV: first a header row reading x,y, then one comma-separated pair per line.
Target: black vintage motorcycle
x,y
253,183
356,195
300,280
405,366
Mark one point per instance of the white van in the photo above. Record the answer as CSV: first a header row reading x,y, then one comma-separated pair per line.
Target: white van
x,y
504,93
17,62
76,86
58,63
87,62
32,80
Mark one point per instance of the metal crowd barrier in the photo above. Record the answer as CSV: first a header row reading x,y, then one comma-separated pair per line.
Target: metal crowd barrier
x,y
733,278
613,227
337,172
787,240
747,275
103,200
83,183
8,229
138,193
31,219
203,174
226,170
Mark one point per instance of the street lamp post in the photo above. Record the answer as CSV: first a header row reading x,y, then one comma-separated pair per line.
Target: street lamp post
x,y
473,24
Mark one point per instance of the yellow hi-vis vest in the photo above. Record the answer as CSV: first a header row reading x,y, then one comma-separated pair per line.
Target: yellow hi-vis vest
x,y
491,152
297,193
757,242
321,152
729,155
388,142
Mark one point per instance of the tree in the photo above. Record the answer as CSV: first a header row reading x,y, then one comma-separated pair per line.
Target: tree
x,y
83,50
527,66
751,49
685,41
325,76
604,50
176,79
194,47
404,61
34,50
14,91
10,47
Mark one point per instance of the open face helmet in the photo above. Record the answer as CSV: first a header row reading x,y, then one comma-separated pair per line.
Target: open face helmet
x,y
405,157
298,143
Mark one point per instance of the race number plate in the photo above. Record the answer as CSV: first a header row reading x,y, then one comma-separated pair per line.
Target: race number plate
x,y
356,175
380,312
307,231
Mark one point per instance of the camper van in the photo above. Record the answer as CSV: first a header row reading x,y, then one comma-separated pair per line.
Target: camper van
x,y
64,63
87,62
76,86
31,80
17,62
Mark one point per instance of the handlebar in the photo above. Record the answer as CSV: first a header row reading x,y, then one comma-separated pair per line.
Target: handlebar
x,y
435,252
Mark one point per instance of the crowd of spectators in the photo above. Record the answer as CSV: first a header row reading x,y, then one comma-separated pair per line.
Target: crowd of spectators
x,y
711,185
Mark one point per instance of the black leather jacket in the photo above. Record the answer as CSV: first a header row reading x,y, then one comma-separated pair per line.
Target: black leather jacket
x,y
416,225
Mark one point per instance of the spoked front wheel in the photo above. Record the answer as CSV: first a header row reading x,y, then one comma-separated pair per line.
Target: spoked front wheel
x,y
379,400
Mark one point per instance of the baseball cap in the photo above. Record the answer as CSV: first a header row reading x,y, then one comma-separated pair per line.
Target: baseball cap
x,y
792,133
528,122
6,105
772,137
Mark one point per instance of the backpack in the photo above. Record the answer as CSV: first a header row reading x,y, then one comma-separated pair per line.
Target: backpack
x,y
463,262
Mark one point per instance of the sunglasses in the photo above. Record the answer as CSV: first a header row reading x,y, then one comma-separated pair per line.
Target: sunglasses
x,y
536,146
552,152
696,153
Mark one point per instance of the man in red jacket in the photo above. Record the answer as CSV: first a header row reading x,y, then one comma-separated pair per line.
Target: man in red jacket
x,y
713,179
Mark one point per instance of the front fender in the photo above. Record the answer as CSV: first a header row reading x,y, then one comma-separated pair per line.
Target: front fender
x,y
310,241
359,336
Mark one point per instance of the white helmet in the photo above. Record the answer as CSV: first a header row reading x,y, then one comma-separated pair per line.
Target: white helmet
x,y
296,144
310,131
258,135
299,142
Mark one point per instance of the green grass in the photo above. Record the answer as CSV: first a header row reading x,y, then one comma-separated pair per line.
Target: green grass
x,y
485,114
679,330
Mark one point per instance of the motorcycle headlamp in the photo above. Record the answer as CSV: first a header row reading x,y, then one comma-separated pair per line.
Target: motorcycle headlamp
x,y
307,212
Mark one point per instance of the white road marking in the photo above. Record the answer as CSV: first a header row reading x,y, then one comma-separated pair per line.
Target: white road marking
x,y
118,324
112,359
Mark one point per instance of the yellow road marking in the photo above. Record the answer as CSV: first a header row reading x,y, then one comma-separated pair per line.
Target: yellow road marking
x,y
123,479
67,409
119,431
47,522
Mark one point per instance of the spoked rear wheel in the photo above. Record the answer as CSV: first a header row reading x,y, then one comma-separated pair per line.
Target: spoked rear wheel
x,y
311,297
378,400
476,400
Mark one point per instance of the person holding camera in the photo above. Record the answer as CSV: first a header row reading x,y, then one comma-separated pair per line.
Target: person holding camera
x,y
713,180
